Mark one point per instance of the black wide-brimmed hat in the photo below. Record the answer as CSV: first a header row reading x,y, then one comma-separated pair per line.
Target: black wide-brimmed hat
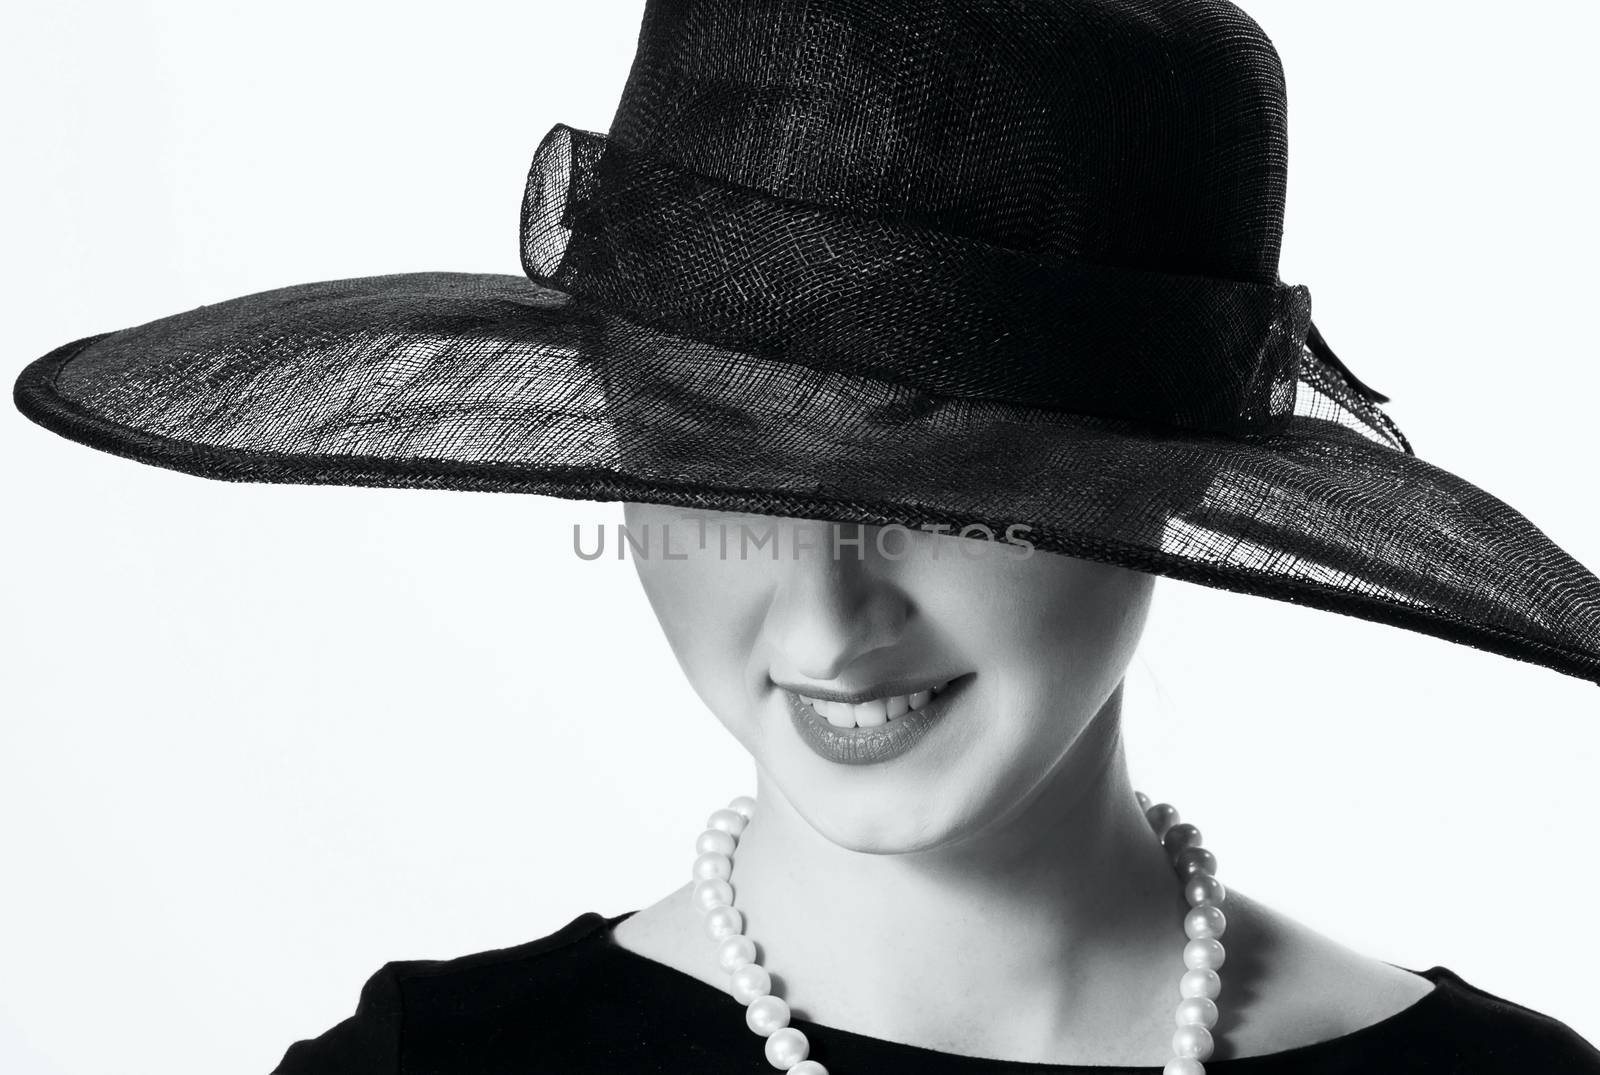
x,y
974,264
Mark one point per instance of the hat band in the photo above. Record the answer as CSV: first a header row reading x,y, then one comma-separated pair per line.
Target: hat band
x,y
695,256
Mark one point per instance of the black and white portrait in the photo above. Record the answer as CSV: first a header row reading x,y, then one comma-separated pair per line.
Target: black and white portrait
x,y
839,537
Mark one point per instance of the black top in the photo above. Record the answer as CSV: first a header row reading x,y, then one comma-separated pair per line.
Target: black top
x,y
577,1002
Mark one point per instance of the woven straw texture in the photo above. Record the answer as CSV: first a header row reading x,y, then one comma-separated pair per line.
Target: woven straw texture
x,y
990,262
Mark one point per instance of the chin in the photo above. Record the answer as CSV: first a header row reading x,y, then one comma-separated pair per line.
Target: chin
x,y
892,818
893,837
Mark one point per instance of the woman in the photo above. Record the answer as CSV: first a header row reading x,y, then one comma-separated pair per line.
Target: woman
x,y
1005,270
983,894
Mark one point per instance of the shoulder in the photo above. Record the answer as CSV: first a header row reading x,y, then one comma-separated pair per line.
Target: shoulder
x,y
418,979
414,996
1308,998
1294,988
670,932
1491,1034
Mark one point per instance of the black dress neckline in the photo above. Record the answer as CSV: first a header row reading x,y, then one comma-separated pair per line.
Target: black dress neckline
x,y
1396,1025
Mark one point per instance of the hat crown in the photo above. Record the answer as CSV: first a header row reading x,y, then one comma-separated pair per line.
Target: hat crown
x,y
1137,133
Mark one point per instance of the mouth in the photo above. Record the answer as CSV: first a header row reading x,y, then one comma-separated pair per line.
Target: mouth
x,y
867,727
870,708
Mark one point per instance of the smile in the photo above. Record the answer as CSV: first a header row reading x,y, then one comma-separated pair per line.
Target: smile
x,y
874,711
860,729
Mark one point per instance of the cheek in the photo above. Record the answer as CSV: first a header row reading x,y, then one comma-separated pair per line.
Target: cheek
x,y
1060,640
1084,614
711,619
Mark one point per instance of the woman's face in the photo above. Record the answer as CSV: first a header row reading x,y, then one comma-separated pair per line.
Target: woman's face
x,y
981,661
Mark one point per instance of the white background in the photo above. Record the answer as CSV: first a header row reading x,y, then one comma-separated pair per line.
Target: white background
x,y
259,740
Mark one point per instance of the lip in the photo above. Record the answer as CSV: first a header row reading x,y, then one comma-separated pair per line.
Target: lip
x,y
868,746
882,690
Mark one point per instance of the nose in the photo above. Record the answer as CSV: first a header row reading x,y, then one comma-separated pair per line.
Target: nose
x,y
830,610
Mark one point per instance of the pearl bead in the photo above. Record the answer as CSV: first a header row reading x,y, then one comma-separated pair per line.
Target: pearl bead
x,y
767,1014
1203,888
723,922
714,892
1206,920
750,981
786,1048
1193,1040
1177,838
712,866
1201,982
1162,816
734,951
1204,953
715,840
1201,1010
729,821
1193,860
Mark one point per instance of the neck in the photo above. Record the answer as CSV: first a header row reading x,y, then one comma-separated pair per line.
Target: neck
x,y
1057,921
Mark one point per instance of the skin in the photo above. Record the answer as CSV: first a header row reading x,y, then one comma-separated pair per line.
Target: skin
x,y
995,891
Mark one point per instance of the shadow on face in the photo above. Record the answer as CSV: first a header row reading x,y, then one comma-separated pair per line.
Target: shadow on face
x,y
763,613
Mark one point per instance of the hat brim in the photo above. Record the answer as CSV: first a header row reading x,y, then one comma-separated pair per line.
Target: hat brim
x,y
490,382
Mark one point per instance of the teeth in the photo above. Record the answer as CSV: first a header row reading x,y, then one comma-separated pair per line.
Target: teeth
x,y
874,713
838,715
871,714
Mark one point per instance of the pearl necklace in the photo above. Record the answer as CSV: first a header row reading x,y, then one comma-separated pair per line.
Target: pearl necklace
x,y
787,1047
